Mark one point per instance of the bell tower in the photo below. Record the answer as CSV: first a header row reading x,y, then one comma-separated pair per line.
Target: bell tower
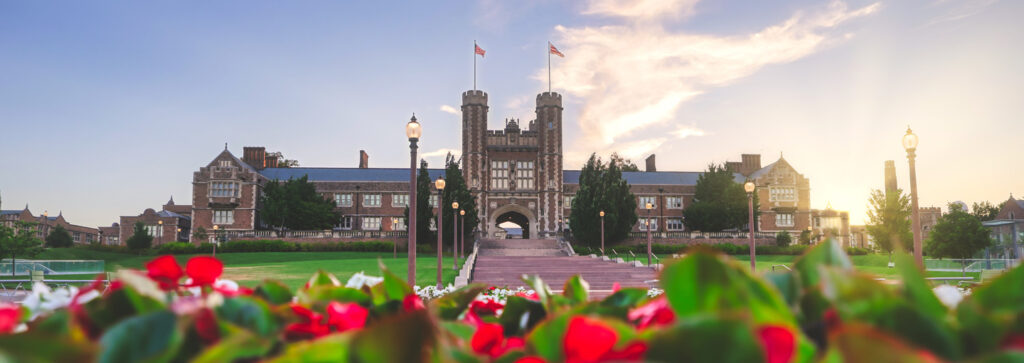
x,y
549,176
474,138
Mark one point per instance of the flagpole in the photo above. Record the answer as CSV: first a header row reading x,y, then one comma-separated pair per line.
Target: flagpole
x,y
549,67
474,65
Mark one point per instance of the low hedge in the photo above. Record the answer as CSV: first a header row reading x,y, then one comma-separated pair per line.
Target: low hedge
x,y
726,248
183,248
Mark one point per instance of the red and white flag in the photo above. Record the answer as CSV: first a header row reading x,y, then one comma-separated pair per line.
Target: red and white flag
x,y
479,50
555,50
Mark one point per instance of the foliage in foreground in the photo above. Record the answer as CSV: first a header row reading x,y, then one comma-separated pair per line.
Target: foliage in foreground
x,y
712,310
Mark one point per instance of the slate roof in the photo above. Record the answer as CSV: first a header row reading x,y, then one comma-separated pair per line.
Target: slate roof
x,y
651,178
166,213
762,171
11,211
346,174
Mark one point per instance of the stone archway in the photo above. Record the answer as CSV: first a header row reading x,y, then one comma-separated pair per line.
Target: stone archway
x,y
516,214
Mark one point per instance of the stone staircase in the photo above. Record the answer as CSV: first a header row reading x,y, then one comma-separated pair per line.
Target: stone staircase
x,y
502,263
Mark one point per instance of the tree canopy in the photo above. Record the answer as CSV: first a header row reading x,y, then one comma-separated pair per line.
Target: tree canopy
x,y
985,211
624,164
140,239
957,234
456,190
424,211
59,237
719,202
20,241
294,204
889,220
602,188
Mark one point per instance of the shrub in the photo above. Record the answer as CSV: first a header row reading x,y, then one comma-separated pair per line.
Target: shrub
x,y
783,239
176,248
857,251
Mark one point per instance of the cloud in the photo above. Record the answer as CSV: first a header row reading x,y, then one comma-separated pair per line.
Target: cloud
x,y
632,79
686,131
451,110
440,154
959,9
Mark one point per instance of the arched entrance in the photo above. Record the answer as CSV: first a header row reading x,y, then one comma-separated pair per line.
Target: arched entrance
x,y
513,214
514,220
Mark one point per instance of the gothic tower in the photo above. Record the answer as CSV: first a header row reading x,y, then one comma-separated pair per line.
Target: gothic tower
x,y
890,177
474,137
549,177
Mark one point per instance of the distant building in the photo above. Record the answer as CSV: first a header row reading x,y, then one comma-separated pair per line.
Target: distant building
x,y
783,193
1008,230
859,237
929,218
111,235
172,224
830,223
46,224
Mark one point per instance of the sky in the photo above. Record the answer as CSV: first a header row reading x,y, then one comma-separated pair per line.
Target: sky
x,y
107,108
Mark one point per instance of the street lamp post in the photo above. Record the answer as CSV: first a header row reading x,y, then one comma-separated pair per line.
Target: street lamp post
x,y
160,232
602,232
749,187
177,235
216,239
455,236
439,184
462,234
649,206
413,131
910,144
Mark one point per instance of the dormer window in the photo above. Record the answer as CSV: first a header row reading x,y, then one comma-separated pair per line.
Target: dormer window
x,y
225,163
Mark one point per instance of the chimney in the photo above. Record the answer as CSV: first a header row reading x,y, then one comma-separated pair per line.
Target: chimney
x,y
750,163
272,159
650,164
255,156
364,159
890,176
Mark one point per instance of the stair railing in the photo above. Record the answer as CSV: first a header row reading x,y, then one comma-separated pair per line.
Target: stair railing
x,y
632,256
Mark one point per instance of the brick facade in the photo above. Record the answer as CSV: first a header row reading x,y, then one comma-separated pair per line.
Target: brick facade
x,y
45,224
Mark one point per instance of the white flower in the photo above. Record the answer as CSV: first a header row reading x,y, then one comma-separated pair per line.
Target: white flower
x,y
948,295
43,300
358,280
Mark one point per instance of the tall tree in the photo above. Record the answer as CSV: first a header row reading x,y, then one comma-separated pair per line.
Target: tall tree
x,y
719,202
602,188
889,220
20,241
456,190
424,211
140,239
958,234
985,211
59,237
295,204
624,164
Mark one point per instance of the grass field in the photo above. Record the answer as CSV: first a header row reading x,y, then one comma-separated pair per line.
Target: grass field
x,y
875,264
292,268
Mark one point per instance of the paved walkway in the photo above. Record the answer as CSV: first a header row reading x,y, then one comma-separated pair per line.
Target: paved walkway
x,y
502,263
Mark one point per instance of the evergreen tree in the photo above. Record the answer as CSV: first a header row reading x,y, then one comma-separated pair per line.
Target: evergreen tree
x,y
59,237
719,203
140,239
19,242
456,190
889,220
624,164
602,188
295,204
958,234
783,239
424,211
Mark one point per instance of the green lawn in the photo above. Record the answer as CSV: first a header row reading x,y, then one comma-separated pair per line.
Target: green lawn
x,y
292,268
875,264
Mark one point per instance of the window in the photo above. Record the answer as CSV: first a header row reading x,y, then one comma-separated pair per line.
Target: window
x,y
782,194
644,222
499,175
224,163
433,224
674,224
674,202
524,175
397,224
784,220
568,201
371,200
399,200
153,231
642,202
433,200
342,200
346,223
77,236
223,189
371,223
223,217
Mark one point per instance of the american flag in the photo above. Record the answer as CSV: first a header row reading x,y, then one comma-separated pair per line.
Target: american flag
x,y
479,50
555,50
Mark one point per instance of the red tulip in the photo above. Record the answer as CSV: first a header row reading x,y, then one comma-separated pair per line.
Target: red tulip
x,y
311,327
165,271
656,312
412,302
346,316
206,326
10,317
490,339
204,270
778,342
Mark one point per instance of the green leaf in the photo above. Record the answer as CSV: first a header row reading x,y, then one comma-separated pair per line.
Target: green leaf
x,y
331,348
1002,293
859,343
828,253
35,346
322,278
706,338
118,305
546,338
543,291
916,289
275,292
576,290
392,288
249,313
520,315
705,283
788,285
453,304
627,298
320,296
152,337
408,337
236,344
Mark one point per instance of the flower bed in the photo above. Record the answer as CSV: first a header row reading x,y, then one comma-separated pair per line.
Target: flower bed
x,y
712,309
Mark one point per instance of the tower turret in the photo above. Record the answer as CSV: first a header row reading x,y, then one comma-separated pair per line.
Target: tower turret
x,y
549,176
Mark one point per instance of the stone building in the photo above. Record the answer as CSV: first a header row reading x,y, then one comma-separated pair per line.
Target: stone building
x,y
1007,230
171,224
45,224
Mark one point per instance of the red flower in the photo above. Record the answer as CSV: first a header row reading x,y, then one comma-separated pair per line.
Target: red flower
x,y
1013,342
165,271
204,270
656,312
412,302
588,340
346,316
206,326
490,339
529,296
616,287
488,306
311,327
531,359
832,321
10,317
778,342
